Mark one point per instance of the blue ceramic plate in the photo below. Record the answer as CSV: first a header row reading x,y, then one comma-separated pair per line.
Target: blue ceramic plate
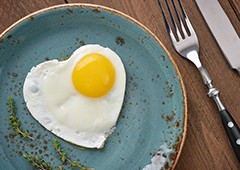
x,y
152,123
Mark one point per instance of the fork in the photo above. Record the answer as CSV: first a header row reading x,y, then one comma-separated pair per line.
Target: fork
x,y
186,44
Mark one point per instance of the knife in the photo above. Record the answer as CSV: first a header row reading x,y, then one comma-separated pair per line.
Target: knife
x,y
222,30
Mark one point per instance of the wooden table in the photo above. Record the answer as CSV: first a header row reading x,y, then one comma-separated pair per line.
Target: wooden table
x,y
206,145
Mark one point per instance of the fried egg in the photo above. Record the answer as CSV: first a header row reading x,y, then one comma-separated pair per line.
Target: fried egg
x,y
78,99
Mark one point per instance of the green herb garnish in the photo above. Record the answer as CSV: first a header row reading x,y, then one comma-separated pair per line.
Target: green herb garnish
x,y
64,158
14,121
37,162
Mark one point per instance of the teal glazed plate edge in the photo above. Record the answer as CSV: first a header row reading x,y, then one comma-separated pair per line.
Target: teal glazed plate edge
x,y
152,125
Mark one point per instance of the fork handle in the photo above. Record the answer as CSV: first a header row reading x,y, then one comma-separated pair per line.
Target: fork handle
x,y
230,126
232,131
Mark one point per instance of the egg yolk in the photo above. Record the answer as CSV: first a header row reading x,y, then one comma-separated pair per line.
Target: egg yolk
x,y
93,75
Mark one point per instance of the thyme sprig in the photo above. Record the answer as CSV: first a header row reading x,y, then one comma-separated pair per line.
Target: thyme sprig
x,y
64,158
37,162
15,122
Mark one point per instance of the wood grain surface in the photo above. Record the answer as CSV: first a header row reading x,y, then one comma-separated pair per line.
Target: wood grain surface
x,y
236,7
206,146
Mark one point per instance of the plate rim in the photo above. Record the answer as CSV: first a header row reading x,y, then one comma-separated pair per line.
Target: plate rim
x,y
135,21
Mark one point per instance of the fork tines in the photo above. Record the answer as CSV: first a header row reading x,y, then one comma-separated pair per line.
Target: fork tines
x,y
186,31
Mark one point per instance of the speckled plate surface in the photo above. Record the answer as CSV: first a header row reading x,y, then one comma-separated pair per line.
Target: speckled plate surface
x,y
152,123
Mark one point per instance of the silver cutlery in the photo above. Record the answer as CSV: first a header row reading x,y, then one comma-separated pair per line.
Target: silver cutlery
x,y
222,30
185,42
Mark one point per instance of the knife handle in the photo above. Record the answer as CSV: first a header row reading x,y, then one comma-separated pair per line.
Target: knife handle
x,y
232,131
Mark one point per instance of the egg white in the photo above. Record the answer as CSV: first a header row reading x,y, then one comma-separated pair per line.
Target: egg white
x,y
54,102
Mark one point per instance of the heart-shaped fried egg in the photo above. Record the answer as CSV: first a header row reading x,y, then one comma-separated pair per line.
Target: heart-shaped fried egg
x,y
78,99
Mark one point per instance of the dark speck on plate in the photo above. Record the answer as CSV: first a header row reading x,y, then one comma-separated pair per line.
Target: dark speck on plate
x,y
63,58
170,118
38,137
14,75
9,37
96,11
81,43
69,11
120,41
31,145
45,148
166,165
163,57
46,59
102,17
177,124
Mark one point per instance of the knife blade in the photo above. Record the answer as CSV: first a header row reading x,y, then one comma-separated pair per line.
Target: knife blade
x,y
222,29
